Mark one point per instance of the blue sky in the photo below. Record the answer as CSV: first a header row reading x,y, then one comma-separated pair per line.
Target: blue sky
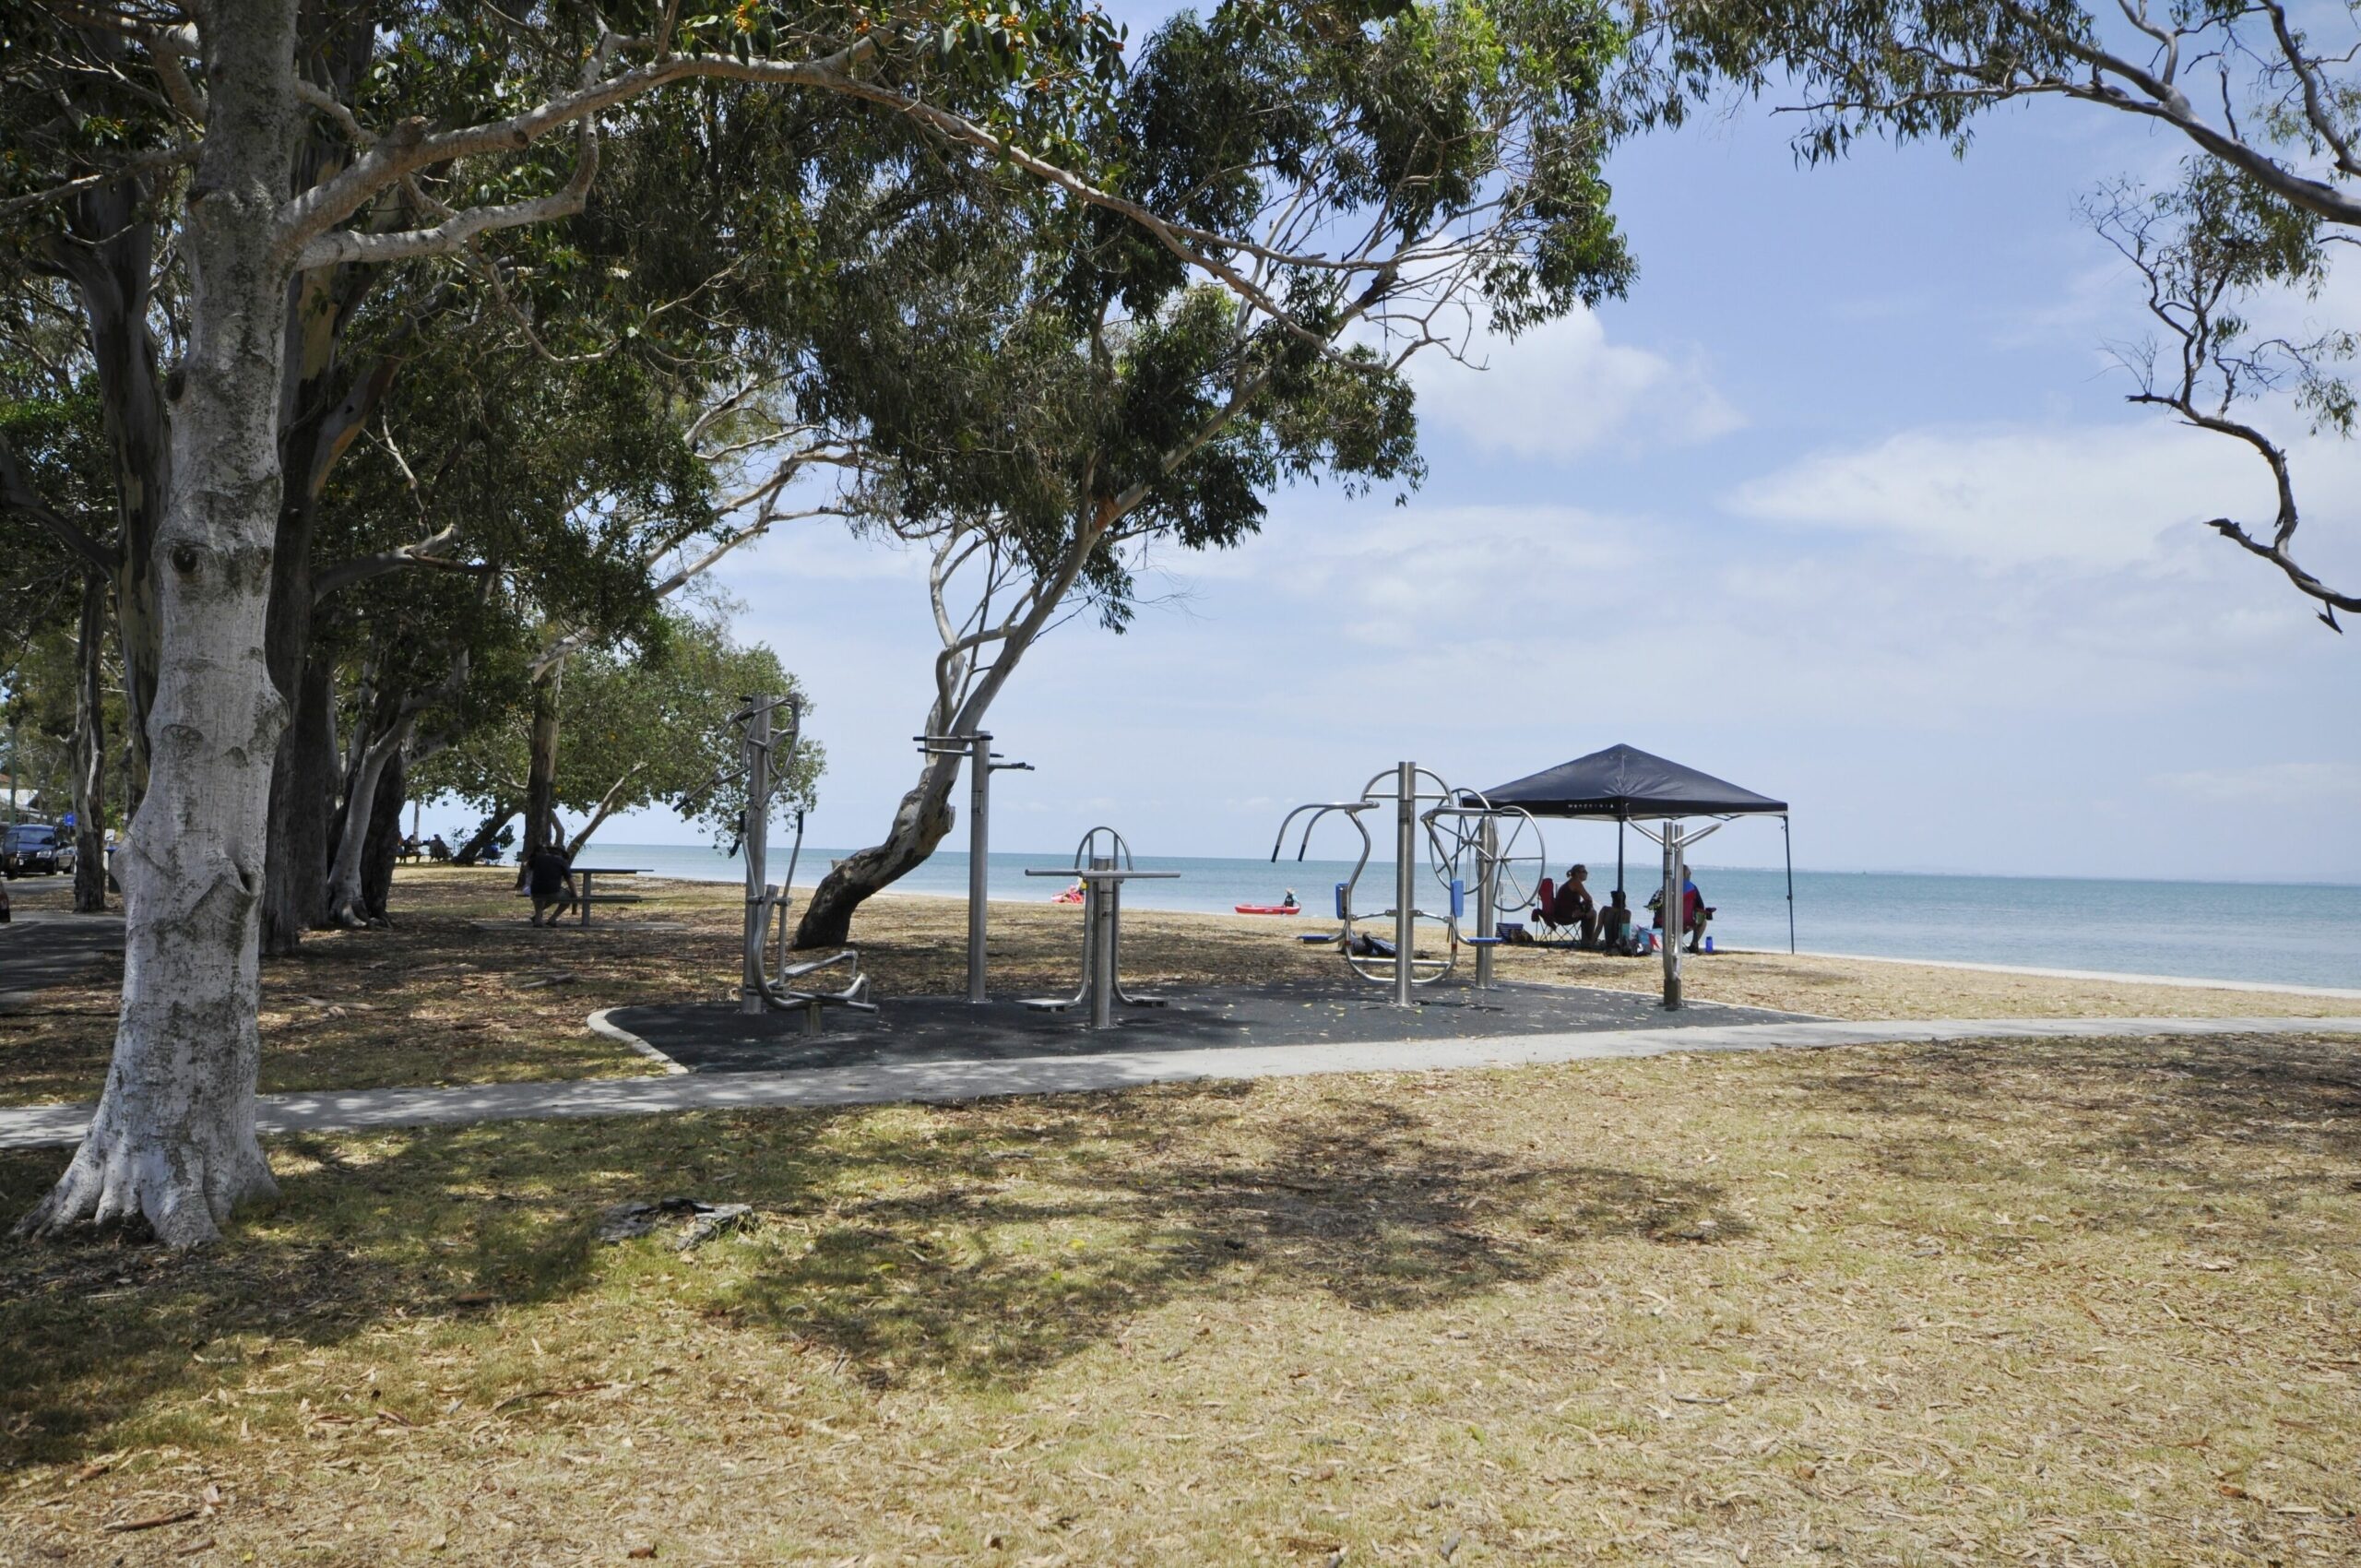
x,y
1843,503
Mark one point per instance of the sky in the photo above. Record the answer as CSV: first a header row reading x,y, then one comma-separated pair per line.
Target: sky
x,y
1843,503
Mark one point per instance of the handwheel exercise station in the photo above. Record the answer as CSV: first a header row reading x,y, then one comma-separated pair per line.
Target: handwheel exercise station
x,y
1102,862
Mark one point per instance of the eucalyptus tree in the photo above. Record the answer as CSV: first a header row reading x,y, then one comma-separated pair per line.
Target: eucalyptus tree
x,y
550,484
647,723
1071,394
54,483
249,151
266,150
2266,99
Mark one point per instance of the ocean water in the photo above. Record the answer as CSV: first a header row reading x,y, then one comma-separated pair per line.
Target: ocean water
x,y
2296,934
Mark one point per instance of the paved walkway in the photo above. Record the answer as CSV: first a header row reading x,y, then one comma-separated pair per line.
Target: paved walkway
x,y
33,1126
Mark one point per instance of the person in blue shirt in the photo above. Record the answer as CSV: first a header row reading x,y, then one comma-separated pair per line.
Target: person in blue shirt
x,y
1694,914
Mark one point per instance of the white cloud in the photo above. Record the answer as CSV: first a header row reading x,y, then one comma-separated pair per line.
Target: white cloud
x,y
1562,389
2098,496
2279,786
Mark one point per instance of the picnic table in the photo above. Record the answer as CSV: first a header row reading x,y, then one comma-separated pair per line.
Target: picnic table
x,y
589,894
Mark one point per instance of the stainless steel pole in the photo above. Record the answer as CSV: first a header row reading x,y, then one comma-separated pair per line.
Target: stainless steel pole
x,y
1102,896
1488,848
1406,881
1672,879
753,839
980,790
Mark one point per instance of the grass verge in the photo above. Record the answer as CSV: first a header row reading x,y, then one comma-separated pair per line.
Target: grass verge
x,y
2054,1303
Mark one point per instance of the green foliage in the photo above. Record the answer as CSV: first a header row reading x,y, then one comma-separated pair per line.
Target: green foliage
x,y
653,718
1047,365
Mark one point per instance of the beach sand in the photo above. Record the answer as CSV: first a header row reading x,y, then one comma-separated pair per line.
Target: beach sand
x,y
918,944
460,990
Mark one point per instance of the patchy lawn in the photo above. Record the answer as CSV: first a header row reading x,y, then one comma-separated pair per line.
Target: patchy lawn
x,y
2061,1302
461,990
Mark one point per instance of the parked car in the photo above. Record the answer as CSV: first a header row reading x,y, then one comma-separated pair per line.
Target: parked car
x,y
35,848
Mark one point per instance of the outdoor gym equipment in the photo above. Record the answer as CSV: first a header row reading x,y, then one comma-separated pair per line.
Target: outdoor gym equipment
x,y
983,763
768,980
1465,834
1102,862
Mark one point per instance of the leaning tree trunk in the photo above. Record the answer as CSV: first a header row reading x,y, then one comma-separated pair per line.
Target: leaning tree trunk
x,y
346,905
500,816
922,820
172,1141
924,817
382,845
90,752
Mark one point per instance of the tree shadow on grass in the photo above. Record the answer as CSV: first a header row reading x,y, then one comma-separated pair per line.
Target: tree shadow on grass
x,y
989,1279
987,1242
2246,1118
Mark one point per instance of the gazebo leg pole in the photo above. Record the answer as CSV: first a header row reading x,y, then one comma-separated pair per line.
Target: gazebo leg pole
x,y
1788,839
1673,866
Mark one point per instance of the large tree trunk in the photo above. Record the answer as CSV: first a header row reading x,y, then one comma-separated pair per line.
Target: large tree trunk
x,y
540,783
383,845
91,751
922,820
111,261
317,425
346,904
173,1141
303,795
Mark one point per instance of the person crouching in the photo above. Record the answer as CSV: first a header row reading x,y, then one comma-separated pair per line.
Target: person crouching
x,y
549,875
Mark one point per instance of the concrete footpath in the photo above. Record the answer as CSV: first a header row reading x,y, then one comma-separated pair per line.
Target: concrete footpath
x,y
34,1126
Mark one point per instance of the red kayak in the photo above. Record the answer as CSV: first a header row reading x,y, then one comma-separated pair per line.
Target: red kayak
x,y
1268,908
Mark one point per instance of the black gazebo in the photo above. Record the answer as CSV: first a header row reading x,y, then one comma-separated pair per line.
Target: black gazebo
x,y
1624,784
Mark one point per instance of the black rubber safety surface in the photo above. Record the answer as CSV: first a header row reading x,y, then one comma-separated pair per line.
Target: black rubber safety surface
x,y
714,1037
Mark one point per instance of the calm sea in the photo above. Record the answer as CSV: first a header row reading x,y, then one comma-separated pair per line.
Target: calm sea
x,y
2306,935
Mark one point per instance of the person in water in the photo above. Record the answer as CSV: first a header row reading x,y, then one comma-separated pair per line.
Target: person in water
x,y
1288,902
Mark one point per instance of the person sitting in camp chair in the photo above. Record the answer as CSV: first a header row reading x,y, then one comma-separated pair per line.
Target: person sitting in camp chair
x,y
1574,909
1615,924
1694,913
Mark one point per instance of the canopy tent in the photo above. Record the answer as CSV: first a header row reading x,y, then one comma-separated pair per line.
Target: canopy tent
x,y
1624,784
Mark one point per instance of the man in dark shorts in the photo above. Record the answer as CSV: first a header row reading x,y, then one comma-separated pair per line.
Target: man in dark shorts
x,y
550,875
1575,906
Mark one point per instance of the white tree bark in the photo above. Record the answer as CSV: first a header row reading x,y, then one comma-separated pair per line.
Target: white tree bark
x,y
346,907
174,1139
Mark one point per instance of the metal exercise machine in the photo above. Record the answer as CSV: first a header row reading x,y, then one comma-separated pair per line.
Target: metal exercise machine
x,y
768,981
1103,863
1675,838
1468,840
983,763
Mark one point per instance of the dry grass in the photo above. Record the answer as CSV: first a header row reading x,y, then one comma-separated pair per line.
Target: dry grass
x,y
2061,1303
458,991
